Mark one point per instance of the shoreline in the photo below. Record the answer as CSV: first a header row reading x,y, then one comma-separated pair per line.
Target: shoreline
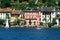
x,y
29,27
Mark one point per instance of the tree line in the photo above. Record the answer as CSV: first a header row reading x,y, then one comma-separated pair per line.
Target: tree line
x,y
21,4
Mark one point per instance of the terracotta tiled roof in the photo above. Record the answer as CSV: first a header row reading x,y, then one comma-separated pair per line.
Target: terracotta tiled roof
x,y
10,10
16,11
5,10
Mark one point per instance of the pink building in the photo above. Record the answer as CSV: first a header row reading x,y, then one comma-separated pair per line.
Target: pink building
x,y
32,17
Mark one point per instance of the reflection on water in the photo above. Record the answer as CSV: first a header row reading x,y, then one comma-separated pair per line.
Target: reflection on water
x,y
38,28
29,34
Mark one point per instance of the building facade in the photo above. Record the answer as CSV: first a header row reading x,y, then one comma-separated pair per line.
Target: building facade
x,y
10,14
32,17
48,14
5,12
15,14
58,17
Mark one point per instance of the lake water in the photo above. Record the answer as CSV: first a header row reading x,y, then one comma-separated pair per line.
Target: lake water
x,y
29,34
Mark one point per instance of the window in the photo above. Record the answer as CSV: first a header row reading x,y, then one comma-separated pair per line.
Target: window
x,y
29,22
57,15
39,16
43,16
27,16
44,19
34,22
40,19
34,16
48,19
48,16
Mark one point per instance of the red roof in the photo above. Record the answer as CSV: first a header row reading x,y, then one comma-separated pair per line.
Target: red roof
x,y
16,11
10,10
5,10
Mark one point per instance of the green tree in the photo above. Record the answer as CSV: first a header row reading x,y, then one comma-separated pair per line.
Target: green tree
x,y
4,3
7,15
31,3
51,3
2,21
18,21
41,23
54,21
49,24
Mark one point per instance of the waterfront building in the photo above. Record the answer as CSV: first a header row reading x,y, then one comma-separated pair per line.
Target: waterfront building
x,y
15,14
48,14
32,16
5,12
22,19
58,16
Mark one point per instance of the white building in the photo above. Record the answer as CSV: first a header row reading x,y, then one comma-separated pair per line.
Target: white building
x,y
48,14
4,13
58,17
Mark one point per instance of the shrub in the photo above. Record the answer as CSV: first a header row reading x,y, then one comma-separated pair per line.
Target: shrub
x,y
54,21
18,21
1,21
41,23
49,24
24,22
